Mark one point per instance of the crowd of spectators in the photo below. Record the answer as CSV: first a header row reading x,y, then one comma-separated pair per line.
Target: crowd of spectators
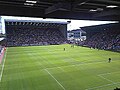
x,y
28,36
1,47
103,40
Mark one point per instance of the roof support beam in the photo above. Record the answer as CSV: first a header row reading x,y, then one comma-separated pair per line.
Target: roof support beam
x,y
64,6
107,13
95,4
58,6
109,2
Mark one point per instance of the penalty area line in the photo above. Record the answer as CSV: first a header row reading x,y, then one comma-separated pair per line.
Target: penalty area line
x,y
106,78
1,74
54,79
94,88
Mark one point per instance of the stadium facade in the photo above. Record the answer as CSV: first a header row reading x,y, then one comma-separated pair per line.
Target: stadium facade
x,y
77,35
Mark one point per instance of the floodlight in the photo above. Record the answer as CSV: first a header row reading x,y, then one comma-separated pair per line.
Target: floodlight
x,y
31,1
111,6
93,10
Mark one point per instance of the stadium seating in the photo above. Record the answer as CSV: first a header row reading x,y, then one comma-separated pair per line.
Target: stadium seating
x,y
103,40
27,36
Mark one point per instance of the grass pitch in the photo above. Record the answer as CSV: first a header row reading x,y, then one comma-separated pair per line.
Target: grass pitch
x,y
52,68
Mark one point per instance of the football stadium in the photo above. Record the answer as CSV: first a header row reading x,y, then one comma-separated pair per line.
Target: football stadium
x,y
39,49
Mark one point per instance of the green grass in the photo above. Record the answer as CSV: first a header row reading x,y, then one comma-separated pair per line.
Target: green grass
x,y
51,68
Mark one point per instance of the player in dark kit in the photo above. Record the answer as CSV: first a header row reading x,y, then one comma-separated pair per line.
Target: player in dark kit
x,y
64,49
109,60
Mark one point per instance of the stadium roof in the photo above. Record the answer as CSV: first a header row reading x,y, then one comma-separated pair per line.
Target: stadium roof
x,y
64,9
100,28
37,20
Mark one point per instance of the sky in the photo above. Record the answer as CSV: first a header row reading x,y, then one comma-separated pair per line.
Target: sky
x,y
75,24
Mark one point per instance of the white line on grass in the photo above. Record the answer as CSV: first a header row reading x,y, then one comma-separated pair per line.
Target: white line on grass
x,y
61,69
74,65
79,64
102,86
100,75
54,79
106,78
110,73
105,73
3,66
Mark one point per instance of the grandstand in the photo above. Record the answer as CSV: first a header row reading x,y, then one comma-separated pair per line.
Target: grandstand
x,y
24,33
105,37
36,55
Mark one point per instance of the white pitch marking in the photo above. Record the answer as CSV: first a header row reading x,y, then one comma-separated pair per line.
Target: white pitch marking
x,y
3,66
106,78
102,86
109,73
105,74
54,78
61,69
100,75
77,64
